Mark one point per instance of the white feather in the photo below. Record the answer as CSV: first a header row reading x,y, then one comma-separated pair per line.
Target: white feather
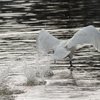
x,y
88,35
46,42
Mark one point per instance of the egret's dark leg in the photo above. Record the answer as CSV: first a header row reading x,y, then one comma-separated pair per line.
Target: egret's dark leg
x,y
71,66
71,69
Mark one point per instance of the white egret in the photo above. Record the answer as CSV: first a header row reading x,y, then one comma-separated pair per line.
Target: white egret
x,y
65,48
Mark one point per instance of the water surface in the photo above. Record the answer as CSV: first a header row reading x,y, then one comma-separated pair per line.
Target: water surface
x,y
30,15
62,19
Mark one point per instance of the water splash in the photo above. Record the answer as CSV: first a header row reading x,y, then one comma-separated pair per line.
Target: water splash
x,y
35,71
43,65
4,78
30,73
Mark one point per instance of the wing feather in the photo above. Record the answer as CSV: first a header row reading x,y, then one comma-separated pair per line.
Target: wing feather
x,y
46,42
88,35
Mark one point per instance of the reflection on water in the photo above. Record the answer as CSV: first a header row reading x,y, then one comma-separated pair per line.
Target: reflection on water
x,y
29,15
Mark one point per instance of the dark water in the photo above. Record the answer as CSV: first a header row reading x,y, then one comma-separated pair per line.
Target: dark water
x,y
30,15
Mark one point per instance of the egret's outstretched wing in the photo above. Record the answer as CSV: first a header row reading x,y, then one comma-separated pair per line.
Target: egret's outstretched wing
x,y
46,42
89,35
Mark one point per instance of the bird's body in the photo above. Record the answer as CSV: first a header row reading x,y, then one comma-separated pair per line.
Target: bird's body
x,y
66,48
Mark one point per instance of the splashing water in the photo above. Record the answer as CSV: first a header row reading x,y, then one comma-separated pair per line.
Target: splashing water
x,y
4,73
4,87
30,72
43,64
38,69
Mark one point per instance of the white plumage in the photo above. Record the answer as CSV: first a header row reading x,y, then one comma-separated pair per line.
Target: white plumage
x,y
63,48
89,35
46,42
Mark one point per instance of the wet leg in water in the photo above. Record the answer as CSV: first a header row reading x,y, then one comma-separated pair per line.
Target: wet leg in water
x,y
71,68
71,73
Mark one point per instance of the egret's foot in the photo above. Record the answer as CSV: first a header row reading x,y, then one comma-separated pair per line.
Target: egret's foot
x,y
71,73
71,68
